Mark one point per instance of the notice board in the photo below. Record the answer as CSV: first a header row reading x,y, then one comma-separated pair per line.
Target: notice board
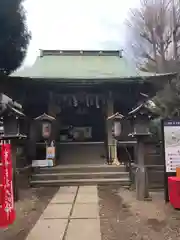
x,y
171,150
172,144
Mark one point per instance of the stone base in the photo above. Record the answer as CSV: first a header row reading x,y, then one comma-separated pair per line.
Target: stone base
x,y
115,162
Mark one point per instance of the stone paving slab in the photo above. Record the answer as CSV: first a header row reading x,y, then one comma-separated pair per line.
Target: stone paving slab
x,y
87,198
48,229
68,189
85,211
87,189
83,229
84,222
54,211
63,198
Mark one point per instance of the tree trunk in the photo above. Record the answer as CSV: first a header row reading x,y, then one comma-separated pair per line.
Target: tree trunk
x,y
154,50
174,32
163,60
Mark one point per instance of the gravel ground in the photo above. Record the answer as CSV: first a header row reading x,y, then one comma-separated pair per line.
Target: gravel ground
x,y
123,217
29,208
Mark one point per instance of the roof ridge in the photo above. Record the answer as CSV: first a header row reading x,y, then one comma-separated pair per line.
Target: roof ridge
x,y
50,52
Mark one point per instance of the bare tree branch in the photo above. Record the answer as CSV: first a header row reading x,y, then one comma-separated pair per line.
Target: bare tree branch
x,y
152,28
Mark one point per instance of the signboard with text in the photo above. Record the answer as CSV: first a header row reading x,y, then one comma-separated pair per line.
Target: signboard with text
x,y
50,152
171,133
50,156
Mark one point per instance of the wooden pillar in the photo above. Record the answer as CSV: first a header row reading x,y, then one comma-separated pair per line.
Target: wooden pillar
x,y
52,108
141,174
112,144
31,142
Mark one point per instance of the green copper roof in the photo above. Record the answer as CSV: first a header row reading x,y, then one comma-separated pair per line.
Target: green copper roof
x,y
54,64
74,66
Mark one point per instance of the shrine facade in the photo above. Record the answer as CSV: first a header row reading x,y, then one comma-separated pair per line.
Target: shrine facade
x,y
80,89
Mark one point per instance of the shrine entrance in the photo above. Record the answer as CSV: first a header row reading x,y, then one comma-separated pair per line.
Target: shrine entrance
x,y
81,138
81,124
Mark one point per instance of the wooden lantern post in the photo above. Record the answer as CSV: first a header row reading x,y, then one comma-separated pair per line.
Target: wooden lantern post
x,y
116,132
46,125
140,118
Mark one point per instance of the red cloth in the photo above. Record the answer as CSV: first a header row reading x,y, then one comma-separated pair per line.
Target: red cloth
x,y
7,208
174,191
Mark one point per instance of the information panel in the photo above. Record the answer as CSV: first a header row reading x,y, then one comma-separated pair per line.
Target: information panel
x,y
172,144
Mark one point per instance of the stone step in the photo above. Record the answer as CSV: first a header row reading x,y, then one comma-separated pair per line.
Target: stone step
x,y
79,175
81,168
79,182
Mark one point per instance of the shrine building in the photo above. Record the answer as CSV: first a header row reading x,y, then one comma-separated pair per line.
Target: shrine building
x,y
80,89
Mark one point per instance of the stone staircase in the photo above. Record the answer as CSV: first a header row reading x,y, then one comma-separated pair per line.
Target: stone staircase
x,y
65,175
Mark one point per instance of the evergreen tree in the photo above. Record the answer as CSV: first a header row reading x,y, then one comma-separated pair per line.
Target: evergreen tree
x,y
14,35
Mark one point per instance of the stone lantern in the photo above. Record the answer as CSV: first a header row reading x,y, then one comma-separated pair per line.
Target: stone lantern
x,y
13,119
14,129
140,119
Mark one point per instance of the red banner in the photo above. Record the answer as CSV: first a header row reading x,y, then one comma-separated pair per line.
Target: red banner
x,y
7,209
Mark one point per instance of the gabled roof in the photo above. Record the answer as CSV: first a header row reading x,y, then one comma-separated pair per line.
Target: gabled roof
x,y
116,116
141,110
46,117
56,64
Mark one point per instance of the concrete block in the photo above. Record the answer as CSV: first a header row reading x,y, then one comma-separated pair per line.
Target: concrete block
x,y
87,198
87,189
68,189
63,198
84,229
48,229
85,211
55,211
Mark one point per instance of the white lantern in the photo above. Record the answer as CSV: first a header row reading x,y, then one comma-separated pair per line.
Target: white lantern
x,y
46,129
46,125
117,128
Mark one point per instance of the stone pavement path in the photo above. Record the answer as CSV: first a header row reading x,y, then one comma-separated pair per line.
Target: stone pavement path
x,y
72,214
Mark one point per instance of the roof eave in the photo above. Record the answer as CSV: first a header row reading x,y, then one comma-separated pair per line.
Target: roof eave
x,y
100,80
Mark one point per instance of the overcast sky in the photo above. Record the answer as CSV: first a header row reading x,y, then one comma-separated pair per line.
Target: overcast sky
x,y
76,24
